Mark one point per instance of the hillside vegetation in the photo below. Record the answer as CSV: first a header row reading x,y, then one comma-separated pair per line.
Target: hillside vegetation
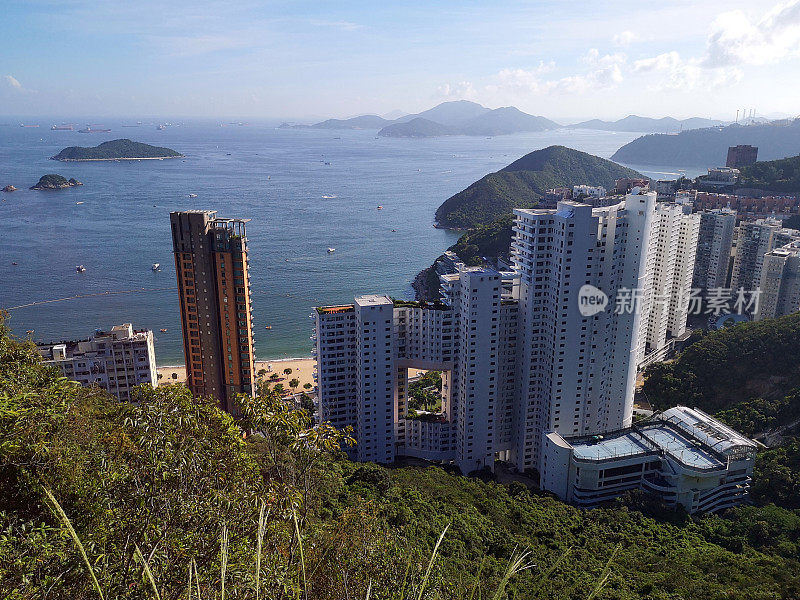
x,y
174,485
115,149
709,147
773,176
524,182
733,365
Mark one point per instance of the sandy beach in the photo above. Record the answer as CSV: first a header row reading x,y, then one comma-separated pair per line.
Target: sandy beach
x,y
302,369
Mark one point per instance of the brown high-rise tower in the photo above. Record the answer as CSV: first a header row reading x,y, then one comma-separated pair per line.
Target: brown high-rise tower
x,y
214,288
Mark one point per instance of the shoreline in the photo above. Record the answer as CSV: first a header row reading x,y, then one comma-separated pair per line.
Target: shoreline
x,y
114,159
258,360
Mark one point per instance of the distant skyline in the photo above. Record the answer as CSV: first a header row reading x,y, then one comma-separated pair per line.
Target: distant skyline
x,y
306,60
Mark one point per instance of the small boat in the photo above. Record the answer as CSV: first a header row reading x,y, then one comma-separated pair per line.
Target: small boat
x,y
61,128
156,267
29,332
161,128
192,195
14,264
268,327
163,330
79,203
394,230
331,250
380,207
80,268
327,163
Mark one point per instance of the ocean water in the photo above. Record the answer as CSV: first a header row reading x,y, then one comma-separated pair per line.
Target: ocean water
x,y
303,191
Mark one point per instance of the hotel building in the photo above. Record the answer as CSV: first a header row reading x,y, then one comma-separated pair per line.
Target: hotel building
x,y
214,292
115,360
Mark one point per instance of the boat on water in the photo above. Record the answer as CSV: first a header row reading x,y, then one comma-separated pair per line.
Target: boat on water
x,y
161,127
14,264
192,195
91,129
156,267
61,128
80,269
380,207
268,327
23,125
163,330
331,250
79,203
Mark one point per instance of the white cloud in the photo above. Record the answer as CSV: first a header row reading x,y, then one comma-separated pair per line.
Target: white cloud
x,y
342,25
13,82
464,90
625,38
593,57
735,40
685,74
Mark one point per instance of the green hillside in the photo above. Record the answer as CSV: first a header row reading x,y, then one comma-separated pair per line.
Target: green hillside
x,y
524,182
115,150
174,484
709,147
774,176
418,127
730,366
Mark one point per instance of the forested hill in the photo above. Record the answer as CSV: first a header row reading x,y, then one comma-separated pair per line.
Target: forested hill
x,y
123,149
773,176
524,182
171,491
709,147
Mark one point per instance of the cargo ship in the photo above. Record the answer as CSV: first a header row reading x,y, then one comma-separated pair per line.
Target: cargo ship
x,y
61,128
23,125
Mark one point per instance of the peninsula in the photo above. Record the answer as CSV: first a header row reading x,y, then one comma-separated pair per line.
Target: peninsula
x,y
55,182
116,150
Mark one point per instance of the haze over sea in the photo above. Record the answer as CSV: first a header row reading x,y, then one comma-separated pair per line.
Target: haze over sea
x,y
117,223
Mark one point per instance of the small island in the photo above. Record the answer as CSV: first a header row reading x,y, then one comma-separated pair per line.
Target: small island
x,y
9,188
116,150
55,182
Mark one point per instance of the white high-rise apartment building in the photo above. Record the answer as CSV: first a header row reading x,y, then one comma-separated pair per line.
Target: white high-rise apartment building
x,y
780,282
754,240
669,268
518,356
116,360
576,373
714,244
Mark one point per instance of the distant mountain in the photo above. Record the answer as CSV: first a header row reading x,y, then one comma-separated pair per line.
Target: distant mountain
x,y
453,113
523,183
362,122
394,114
459,117
709,147
115,150
416,128
647,125
502,121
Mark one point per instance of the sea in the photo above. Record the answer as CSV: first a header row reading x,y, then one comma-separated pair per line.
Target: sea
x,y
303,191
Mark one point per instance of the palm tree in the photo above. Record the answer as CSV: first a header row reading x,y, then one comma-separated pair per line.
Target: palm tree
x,y
262,372
287,371
307,386
294,383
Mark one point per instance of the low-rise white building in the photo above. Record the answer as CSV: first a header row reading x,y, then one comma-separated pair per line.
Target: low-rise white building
x,y
682,456
588,190
115,360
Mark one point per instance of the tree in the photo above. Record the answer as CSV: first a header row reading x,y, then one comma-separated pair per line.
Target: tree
x,y
262,372
294,383
274,377
307,386
287,371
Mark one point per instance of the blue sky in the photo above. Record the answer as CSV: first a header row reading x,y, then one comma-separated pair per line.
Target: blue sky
x,y
247,59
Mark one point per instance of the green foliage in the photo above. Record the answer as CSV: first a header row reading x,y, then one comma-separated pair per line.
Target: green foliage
x,y
731,365
523,183
115,149
172,485
775,175
425,393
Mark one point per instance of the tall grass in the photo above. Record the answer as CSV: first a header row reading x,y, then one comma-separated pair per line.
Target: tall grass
x,y
517,563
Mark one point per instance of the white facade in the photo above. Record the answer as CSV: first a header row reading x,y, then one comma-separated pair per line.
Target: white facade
x,y
116,360
669,270
519,359
714,244
780,282
576,373
588,190
754,240
682,456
